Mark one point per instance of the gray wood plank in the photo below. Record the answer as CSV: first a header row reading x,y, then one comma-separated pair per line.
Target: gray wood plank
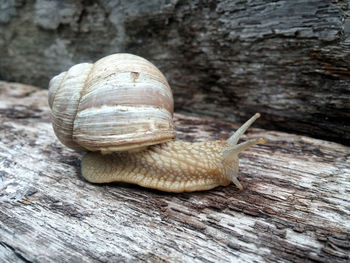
x,y
295,206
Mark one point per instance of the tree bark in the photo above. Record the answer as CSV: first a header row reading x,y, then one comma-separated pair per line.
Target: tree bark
x,y
295,206
224,59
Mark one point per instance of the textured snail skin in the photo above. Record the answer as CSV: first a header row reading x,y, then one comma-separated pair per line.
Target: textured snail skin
x,y
174,166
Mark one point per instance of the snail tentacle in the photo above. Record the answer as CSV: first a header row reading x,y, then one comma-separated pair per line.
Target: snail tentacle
x,y
237,135
230,153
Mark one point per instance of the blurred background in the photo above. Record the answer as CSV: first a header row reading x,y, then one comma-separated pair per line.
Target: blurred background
x,y
288,60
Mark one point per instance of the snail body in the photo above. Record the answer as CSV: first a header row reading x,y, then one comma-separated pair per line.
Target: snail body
x,y
174,166
120,111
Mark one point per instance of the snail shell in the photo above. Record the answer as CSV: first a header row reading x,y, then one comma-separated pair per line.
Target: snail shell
x,y
121,102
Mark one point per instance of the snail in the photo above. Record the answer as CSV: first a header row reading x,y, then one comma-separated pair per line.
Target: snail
x,y
119,110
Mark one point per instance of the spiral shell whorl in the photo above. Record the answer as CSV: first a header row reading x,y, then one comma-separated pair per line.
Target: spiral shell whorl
x,y
119,103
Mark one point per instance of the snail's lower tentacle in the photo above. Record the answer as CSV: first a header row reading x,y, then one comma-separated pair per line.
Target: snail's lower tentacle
x,y
236,149
231,160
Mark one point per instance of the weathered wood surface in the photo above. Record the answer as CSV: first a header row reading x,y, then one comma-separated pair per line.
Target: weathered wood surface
x,y
295,206
289,60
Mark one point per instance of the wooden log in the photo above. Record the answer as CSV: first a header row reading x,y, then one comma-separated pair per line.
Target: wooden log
x,y
295,206
289,60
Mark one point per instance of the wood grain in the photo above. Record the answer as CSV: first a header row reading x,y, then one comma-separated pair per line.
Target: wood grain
x,y
289,60
295,206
